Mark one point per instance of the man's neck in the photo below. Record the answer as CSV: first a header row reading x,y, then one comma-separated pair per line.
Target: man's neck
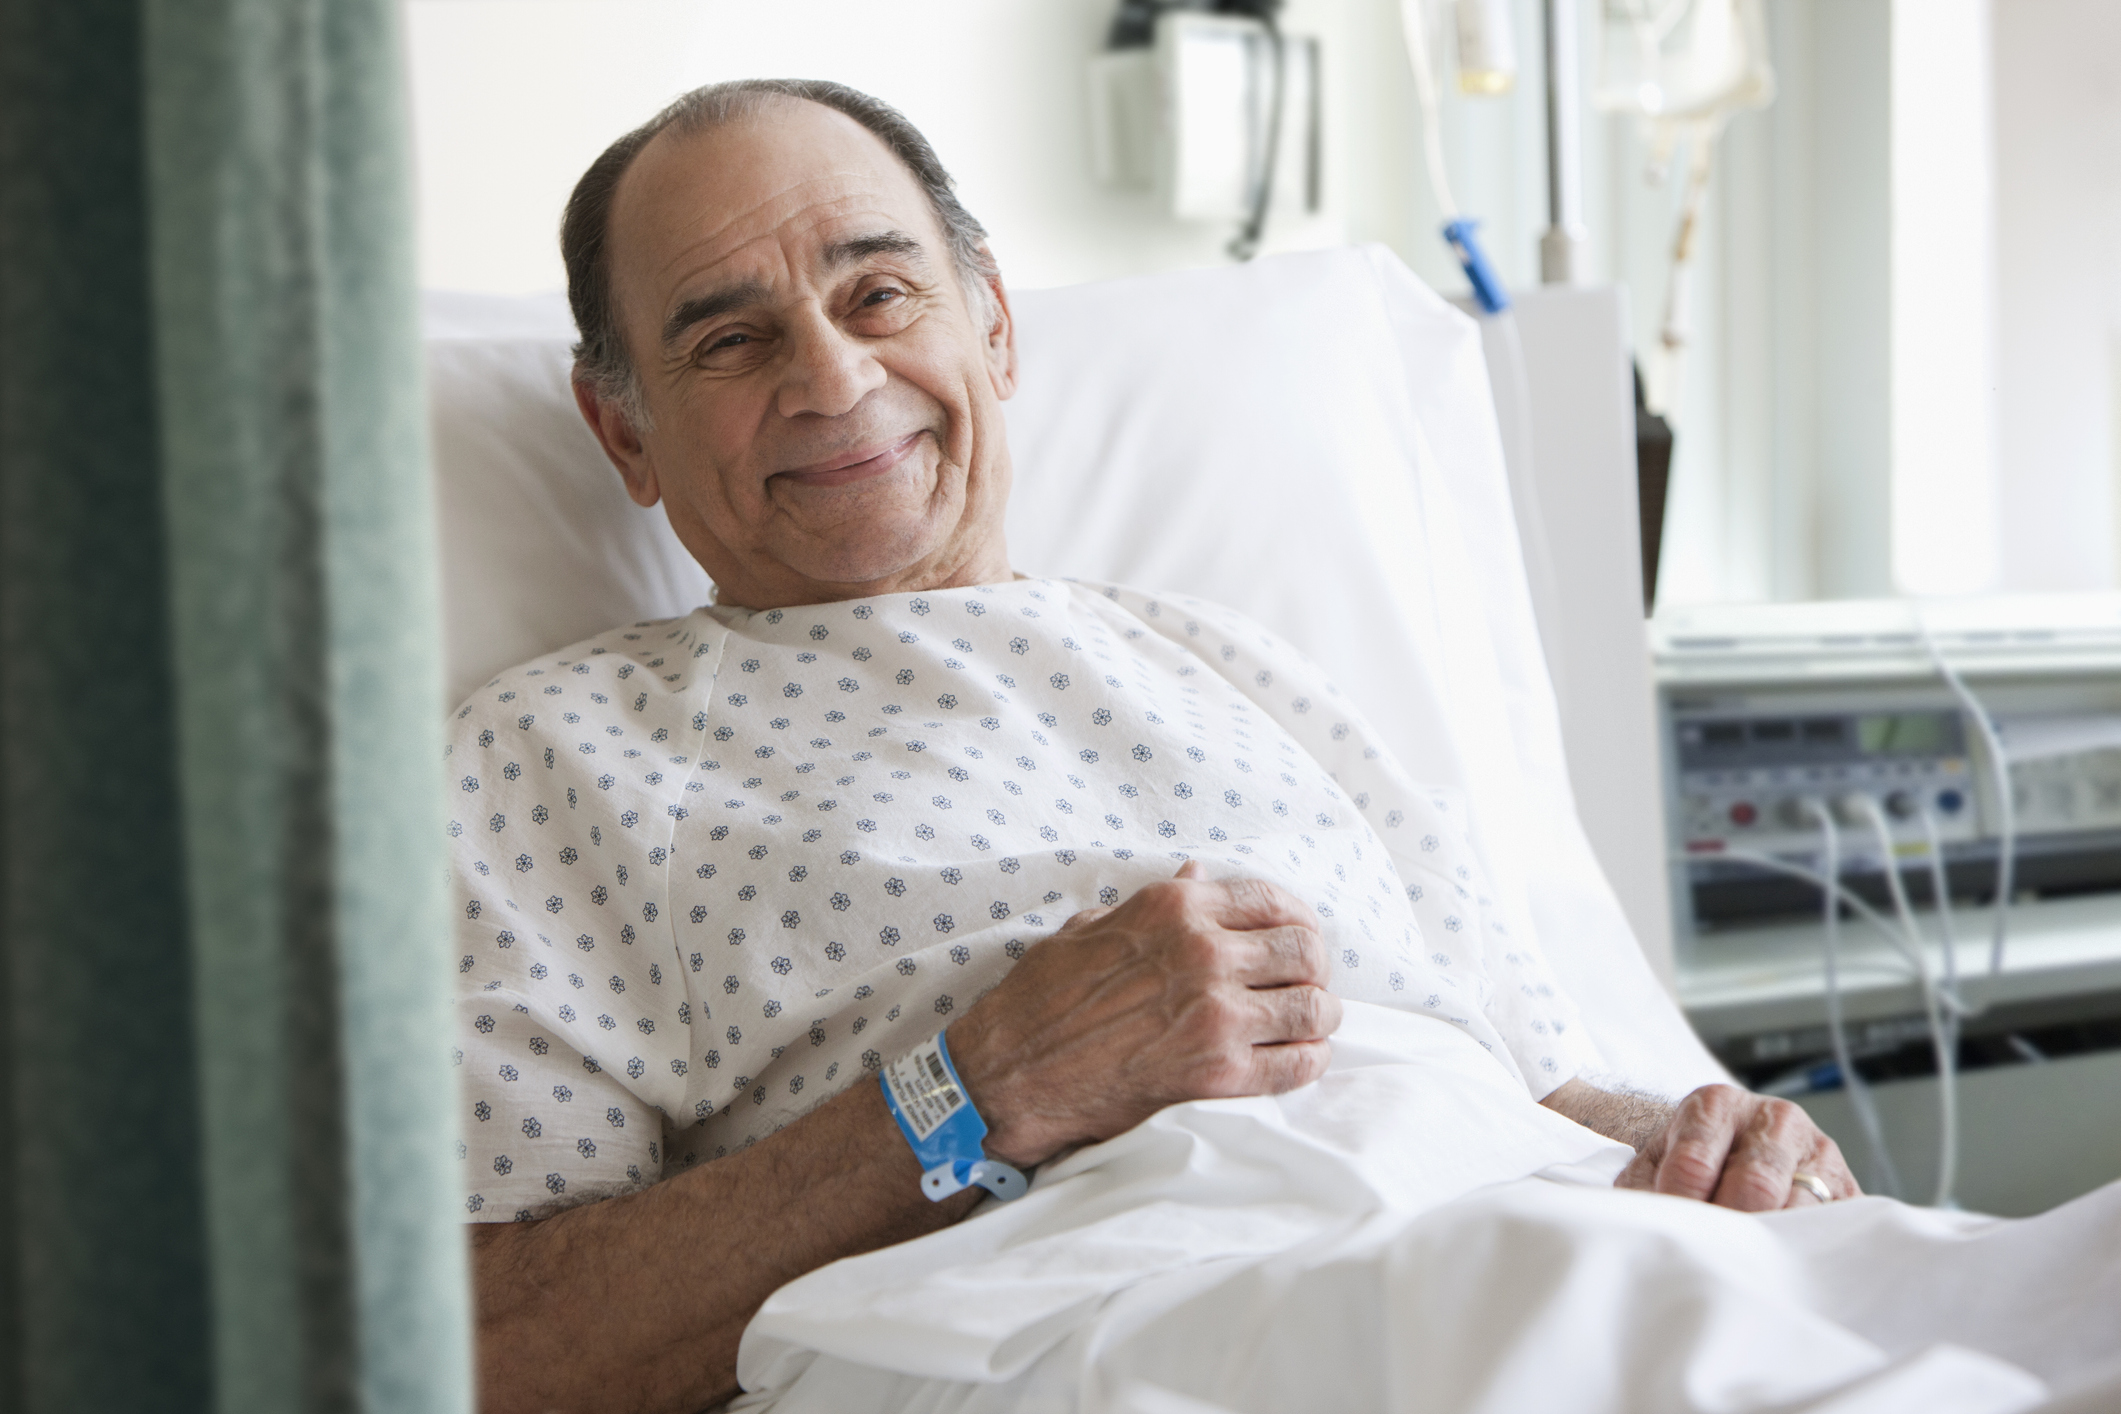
x,y
988,567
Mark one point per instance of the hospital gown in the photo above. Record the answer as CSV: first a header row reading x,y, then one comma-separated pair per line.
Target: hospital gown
x,y
713,870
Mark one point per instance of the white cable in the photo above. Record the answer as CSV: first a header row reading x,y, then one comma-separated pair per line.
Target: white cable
x,y
1414,22
1850,899
1938,1004
1859,1089
1942,1040
2006,805
1834,895
1941,887
1245,244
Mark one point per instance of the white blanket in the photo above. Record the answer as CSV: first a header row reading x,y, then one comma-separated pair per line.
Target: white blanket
x,y
1411,1234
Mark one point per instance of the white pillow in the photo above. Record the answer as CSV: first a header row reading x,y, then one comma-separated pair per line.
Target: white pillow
x,y
541,547
1308,439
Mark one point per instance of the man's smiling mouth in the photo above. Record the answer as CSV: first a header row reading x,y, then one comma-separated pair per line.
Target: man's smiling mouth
x,y
857,465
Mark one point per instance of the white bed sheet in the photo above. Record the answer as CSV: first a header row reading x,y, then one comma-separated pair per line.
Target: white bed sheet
x,y
1401,1237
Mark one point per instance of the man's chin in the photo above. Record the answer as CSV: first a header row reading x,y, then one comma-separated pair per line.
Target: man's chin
x,y
874,558
855,536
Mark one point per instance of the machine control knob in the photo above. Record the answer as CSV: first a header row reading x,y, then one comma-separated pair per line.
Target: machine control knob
x,y
1743,814
1792,815
1900,805
1951,802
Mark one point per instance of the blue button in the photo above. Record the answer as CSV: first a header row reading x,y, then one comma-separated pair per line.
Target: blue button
x,y
1949,801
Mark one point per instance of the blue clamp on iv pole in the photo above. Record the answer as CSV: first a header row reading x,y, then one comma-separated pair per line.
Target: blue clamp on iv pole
x,y
1487,288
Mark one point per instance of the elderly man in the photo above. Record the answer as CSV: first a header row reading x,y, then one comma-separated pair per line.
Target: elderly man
x,y
1053,856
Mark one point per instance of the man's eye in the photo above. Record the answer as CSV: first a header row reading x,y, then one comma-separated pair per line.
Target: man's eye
x,y
876,297
728,341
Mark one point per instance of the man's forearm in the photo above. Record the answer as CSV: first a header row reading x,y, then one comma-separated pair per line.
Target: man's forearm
x,y
1188,990
638,1303
1630,1117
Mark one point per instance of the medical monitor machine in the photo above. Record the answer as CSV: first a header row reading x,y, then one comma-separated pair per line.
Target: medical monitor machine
x,y
1977,745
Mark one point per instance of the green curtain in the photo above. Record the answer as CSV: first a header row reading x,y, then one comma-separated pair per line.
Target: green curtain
x,y
227,1142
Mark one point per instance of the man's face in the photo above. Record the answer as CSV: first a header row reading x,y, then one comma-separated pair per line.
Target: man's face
x,y
825,402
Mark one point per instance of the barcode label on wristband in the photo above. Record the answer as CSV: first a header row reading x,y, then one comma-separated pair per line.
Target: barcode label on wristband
x,y
926,1091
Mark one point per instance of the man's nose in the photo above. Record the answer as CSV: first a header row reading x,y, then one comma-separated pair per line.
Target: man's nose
x,y
828,373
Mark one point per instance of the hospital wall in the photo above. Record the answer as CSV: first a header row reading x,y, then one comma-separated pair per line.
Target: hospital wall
x,y
2058,215
513,98
1788,482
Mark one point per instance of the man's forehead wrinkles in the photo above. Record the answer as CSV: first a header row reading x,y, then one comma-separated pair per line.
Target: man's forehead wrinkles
x,y
757,261
775,214
752,269
772,261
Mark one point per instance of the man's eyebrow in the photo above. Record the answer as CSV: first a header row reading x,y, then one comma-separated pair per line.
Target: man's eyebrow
x,y
711,306
734,297
859,248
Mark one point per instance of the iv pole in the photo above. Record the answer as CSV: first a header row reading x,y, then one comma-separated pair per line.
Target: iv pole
x,y
1562,245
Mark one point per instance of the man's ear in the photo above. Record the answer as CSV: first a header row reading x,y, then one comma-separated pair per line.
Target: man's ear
x,y
615,433
1001,336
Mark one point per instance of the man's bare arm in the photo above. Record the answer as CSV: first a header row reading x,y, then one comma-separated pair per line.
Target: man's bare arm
x,y
1188,990
1720,1144
638,1302
1629,1116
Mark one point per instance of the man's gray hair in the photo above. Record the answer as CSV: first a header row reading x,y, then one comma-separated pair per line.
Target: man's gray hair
x,y
600,358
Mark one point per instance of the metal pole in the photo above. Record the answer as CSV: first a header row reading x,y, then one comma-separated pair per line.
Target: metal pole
x,y
1563,246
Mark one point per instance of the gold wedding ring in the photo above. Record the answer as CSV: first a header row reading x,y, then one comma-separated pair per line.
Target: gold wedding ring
x,y
1813,1184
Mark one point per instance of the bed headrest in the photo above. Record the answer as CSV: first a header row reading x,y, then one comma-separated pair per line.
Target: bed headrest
x,y
1246,433
540,545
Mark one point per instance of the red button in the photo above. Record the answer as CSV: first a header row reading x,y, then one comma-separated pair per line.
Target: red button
x,y
1743,813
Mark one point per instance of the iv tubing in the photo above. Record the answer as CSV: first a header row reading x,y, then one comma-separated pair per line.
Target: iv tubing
x,y
1941,1005
1414,22
1941,1042
1676,329
2006,805
1859,1089
1940,886
1850,899
1835,895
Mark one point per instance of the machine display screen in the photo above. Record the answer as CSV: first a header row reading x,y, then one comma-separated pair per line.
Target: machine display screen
x,y
1907,734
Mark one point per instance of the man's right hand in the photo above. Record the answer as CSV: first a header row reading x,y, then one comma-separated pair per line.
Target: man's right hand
x,y
1189,990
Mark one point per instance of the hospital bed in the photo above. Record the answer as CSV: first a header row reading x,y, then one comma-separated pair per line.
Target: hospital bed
x,y
1309,439
1337,478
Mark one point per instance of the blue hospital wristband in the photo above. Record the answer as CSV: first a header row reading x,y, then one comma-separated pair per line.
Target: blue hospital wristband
x,y
936,1116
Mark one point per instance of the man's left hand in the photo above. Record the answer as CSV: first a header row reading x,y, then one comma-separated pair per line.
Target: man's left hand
x,y
1719,1145
1730,1147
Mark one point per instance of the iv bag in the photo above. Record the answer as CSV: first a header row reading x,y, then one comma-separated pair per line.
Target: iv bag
x,y
1682,60
1487,47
